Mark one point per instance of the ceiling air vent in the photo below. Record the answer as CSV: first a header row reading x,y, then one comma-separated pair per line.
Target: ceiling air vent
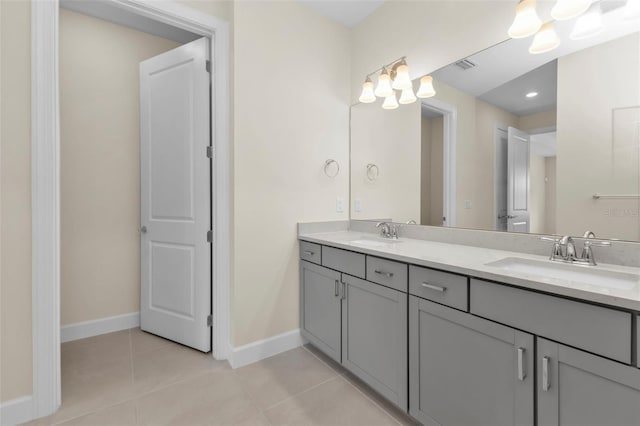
x,y
465,64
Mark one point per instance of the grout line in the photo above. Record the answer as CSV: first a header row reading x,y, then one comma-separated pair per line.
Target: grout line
x,y
301,392
332,368
384,410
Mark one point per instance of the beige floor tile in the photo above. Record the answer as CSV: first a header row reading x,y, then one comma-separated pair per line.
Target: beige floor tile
x,y
398,414
95,351
332,403
88,390
141,341
212,399
274,379
156,369
324,358
118,415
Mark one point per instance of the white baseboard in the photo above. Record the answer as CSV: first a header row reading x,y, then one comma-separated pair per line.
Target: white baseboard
x,y
256,351
16,411
81,330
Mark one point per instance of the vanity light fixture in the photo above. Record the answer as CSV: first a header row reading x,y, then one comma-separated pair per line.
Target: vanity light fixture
x,y
393,77
367,96
545,40
531,94
588,24
390,102
526,22
384,89
426,89
632,9
568,9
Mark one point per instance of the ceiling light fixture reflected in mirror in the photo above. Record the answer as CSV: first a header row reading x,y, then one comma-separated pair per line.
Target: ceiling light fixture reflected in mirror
x,y
526,21
545,40
568,9
384,85
393,77
426,89
390,102
402,81
407,97
588,24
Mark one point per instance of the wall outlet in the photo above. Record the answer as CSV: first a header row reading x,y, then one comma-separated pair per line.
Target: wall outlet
x,y
357,205
467,204
339,205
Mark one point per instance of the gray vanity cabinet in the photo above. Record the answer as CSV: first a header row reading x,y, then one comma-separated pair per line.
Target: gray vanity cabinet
x,y
321,301
576,388
374,337
465,370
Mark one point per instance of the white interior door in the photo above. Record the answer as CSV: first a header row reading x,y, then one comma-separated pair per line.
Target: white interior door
x,y
501,180
176,195
518,180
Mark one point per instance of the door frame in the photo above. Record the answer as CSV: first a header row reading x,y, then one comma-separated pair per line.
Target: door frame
x,y
496,140
449,134
45,183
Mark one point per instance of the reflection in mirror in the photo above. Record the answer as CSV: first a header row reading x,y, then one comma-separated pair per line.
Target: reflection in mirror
x,y
513,142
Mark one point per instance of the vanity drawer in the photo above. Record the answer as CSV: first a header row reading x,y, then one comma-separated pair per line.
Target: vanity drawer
x,y
310,252
600,330
344,261
387,272
442,287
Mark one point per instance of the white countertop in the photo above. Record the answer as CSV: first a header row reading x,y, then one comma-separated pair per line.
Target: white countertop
x,y
473,261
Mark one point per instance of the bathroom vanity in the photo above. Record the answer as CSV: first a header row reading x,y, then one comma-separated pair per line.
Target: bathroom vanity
x,y
456,335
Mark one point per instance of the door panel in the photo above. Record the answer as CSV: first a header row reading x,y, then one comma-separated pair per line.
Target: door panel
x,y
581,389
374,337
321,307
518,180
175,195
465,370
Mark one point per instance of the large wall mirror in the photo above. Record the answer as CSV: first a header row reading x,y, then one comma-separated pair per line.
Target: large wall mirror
x,y
512,141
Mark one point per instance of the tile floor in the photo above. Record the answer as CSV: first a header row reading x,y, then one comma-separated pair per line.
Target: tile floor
x,y
135,378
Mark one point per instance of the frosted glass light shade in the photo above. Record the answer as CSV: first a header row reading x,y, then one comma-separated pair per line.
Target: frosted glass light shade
x,y
426,89
384,85
545,40
367,96
407,97
567,9
390,102
402,80
588,24
526,22
632,9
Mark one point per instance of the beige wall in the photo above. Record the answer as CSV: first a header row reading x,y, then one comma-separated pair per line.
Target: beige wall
x,y
291,114
537,194
591,84
15,200
100,165
538,121
389,139
550,195
431,179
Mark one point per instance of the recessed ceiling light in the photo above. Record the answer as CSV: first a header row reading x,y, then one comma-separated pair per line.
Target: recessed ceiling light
x,y
531,94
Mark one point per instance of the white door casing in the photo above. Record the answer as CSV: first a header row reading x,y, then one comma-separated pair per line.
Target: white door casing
x,y
175,195
518,153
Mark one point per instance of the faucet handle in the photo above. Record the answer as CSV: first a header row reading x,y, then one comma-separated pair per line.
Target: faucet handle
x,y
596,243
587,252
553,239
556,251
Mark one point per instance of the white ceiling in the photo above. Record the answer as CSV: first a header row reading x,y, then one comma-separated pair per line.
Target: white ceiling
x,y
346,12
511,59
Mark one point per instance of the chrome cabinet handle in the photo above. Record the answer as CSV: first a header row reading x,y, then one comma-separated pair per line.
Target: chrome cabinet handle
x,y
344,291
434,287
386,274
545,373
336,290
308,253
522,373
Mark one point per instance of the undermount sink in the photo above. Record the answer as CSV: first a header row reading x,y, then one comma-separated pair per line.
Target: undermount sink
x,y
575,273
374,242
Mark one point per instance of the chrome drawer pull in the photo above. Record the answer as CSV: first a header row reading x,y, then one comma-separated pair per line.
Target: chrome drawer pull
x,y
521,367
545,373
434,287
336,290
308,253
386,274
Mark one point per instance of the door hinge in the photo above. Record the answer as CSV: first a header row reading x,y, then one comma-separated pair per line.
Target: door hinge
x,y
209,151
208,66
210,236
210,321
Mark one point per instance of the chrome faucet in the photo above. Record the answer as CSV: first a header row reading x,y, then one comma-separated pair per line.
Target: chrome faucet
x,y
564,249
388,230
568,247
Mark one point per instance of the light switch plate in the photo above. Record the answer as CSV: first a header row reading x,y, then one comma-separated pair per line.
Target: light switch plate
x,y
467,204
339,204
357,205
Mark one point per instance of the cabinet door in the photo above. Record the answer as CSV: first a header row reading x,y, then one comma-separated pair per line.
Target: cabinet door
x,y
374,337
465,370
581,389
320,307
